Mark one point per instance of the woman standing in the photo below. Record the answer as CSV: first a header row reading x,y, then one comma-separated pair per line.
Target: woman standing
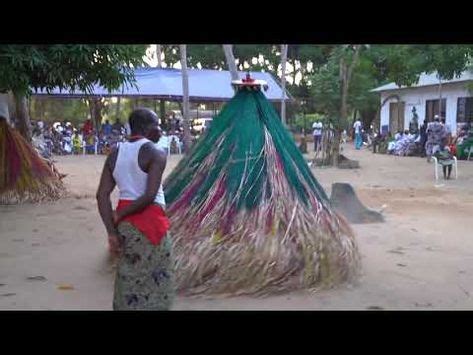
x,y
137,231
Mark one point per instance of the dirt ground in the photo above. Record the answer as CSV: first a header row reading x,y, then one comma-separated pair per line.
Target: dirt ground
x,y
54,255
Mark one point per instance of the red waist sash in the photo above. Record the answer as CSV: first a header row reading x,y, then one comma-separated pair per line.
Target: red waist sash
x,y
152,221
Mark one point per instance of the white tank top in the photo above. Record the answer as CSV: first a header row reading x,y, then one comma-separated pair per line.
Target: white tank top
x,y
130,179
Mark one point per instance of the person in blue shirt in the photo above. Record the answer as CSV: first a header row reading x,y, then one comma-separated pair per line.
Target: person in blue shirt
x,y
107,128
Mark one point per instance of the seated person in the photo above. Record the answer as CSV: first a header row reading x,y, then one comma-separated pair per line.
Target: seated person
x,y
90,143
445,158
377,140
67,143
107,149
175,142
173,146
76,143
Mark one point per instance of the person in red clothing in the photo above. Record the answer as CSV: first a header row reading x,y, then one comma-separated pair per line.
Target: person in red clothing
x,y
137,230
88,127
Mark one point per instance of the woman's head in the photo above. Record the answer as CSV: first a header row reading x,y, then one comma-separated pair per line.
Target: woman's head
x,y
144,122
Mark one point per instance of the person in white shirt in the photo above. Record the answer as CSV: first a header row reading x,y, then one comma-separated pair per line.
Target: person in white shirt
x,y
175,145
358,139
317,133
448,130
163,143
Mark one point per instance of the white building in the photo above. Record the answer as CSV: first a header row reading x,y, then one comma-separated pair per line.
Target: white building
x,y
398,102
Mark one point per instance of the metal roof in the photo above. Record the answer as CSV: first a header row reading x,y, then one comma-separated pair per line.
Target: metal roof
x,y
426,80
166,83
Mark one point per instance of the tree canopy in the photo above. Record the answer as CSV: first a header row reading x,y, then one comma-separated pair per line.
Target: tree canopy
x,y
73,67
381,64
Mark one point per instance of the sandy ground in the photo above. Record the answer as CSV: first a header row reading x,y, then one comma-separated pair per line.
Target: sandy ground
x,y
54,256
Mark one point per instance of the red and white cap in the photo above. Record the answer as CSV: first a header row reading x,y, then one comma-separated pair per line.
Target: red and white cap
x,y
250,83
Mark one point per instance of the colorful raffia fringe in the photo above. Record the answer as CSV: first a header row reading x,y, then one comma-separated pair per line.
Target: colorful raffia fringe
x,y
24,175
248,216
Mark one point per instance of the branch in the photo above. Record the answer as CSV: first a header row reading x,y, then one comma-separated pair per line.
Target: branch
x,y
227,49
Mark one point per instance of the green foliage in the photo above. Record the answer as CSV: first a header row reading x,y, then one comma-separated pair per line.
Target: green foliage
x,y
365,78
210,56
403,64
305,122
245,53
326,88
171,54
68,67
378,65
398,63
53,110
448,60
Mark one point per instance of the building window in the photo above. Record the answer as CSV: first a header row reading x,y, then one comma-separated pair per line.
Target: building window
x,y
432,109
465,109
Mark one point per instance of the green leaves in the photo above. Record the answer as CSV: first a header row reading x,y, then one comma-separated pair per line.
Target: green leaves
x,y
67,67
403,64
381,64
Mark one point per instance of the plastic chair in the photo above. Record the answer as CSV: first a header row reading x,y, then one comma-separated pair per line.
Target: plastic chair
x,y
178,146
85,146
436,166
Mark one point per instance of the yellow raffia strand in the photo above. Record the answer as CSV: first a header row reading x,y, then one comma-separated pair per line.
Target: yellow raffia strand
x,y
217,237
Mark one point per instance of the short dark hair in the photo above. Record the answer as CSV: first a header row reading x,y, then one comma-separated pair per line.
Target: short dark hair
x,y
140,119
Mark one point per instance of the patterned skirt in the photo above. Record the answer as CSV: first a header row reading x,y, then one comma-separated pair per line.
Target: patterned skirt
x,y
144,279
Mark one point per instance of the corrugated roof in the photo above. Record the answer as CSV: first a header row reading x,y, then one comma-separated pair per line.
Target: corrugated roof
x,y
204,85
426,80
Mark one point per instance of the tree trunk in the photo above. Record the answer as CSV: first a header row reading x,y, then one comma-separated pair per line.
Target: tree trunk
x,y
342,115
158,55
440,100
96,105
4,112
162,112
378,110
29,108
345,76
117,111
294,71
185,98
39,108
22,117
162,107
283,82
228,50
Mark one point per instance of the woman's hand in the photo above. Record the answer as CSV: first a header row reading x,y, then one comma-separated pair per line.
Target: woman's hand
x,y
115,245
116,217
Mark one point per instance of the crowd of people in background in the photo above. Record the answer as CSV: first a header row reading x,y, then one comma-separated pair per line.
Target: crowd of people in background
x,y
430,139
64,138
